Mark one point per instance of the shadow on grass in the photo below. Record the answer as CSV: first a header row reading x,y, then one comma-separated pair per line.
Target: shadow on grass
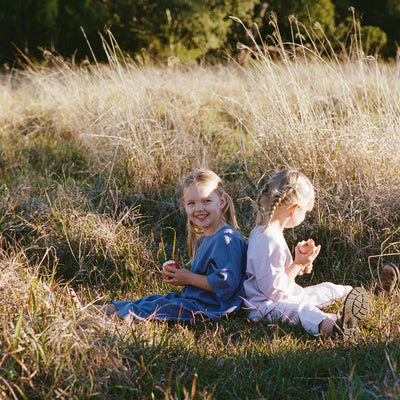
x,y
234,359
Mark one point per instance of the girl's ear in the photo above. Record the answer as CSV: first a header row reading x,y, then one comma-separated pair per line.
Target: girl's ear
x,y
222,201
293,209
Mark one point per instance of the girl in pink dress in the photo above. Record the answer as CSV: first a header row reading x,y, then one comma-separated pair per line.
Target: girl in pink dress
x,y
271,290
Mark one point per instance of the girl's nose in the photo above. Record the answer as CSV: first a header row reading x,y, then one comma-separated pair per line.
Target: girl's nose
x,y
199,206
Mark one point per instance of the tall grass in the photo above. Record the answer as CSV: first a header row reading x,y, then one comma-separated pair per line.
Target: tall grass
x,y
90,161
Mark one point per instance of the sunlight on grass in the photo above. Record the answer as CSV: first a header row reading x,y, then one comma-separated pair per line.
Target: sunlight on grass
x,y
91,157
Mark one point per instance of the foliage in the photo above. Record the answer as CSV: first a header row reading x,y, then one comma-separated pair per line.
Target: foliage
x,y
383,15
373,39
74,15
309,12
23,20
185,30
393,8
182,28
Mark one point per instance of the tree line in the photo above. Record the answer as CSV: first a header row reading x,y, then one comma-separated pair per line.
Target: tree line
x,y
190,30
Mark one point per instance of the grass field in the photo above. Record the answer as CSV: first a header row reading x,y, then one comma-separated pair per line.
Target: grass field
x,y
91,158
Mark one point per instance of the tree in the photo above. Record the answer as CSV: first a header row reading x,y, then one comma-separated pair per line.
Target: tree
x,y
35,25
392,22
393,8
373,39
306,11
341,10
187,29
91,16
28,25
384,15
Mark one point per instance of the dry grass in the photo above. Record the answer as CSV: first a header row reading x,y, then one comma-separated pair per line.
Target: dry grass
x,y
90,158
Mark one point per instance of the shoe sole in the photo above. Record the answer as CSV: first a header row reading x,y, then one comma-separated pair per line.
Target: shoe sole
x,y
355,308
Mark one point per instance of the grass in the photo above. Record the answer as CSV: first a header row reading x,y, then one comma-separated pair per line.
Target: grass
x,y
90,161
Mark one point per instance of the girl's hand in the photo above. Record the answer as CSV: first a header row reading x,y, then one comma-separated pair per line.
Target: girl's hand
x,y
176,276
169,267
183,277
306,270
306,259
306,246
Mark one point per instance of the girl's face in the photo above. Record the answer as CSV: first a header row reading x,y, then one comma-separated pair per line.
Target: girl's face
x,y
204,206
298,214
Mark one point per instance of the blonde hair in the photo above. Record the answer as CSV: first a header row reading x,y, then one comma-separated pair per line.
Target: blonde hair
x,y
287,187
228,214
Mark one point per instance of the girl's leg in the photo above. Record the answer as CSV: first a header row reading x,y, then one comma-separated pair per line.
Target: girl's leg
x,y
304,314
169,307
311,318
355,308
325,293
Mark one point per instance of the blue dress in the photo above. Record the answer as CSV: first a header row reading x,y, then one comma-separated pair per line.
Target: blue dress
x,y
222,258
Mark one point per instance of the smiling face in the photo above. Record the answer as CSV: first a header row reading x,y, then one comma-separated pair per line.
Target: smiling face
x,y
204,206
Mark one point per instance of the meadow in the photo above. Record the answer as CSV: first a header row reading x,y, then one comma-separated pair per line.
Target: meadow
x,y
91,160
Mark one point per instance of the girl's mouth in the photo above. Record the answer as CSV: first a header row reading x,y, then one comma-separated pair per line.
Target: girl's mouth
x,y
201,217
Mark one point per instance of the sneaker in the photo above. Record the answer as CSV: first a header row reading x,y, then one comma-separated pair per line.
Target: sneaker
x,y
355,308
388,279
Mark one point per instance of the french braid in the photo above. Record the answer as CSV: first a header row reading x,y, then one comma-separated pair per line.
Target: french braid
x,y
286,187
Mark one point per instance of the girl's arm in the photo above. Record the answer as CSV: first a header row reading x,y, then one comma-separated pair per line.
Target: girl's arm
x,y
184,277
292,271
219,270
301,262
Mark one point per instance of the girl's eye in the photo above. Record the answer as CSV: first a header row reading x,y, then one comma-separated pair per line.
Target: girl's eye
x,y
207,201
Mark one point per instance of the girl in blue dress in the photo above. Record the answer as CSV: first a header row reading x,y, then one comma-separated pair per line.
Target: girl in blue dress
x,y
213,287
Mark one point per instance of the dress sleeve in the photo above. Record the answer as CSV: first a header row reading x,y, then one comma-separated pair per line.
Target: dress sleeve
x,y
268,264
227,265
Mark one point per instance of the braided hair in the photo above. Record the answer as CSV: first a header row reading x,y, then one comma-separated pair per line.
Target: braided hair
x,y
288,187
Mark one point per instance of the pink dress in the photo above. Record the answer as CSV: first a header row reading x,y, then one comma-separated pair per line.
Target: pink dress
x,y
268,293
